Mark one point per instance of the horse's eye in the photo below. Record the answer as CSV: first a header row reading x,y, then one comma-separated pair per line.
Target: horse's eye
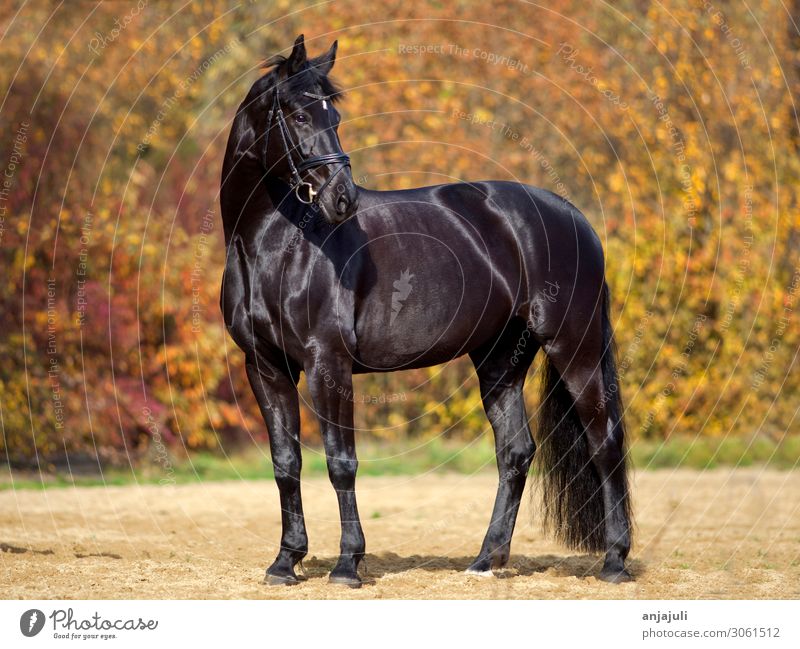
x,y
301,118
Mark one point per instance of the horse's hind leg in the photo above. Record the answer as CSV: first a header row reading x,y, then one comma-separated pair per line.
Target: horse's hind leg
x,y
276,393
501,367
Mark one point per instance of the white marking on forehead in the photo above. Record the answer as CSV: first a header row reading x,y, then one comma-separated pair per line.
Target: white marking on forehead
x,y
322,98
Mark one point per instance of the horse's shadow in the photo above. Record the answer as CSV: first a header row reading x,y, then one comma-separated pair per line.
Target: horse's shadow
x,y
378,565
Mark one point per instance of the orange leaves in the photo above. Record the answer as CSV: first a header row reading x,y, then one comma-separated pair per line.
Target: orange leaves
x,y
672,128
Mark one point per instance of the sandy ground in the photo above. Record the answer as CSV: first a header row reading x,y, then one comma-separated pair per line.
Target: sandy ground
x,y
714,534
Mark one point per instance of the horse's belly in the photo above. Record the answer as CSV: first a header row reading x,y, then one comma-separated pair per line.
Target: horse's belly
x,y
426,324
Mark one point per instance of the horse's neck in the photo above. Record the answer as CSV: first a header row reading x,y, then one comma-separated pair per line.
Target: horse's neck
x,y
247,196
242,193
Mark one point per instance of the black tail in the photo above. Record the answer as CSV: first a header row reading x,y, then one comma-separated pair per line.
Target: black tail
x,y
574,510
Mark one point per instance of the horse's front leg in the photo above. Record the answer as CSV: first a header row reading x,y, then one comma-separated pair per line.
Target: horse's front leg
x,y
276,393
330,382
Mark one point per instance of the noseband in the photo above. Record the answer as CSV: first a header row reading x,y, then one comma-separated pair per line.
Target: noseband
x,y
276,114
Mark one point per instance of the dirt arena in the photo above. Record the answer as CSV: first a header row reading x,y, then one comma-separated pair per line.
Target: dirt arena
x,y
714,534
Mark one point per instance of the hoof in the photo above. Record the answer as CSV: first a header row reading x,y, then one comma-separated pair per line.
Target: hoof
x,y
479,573
615,576
345,580
281,580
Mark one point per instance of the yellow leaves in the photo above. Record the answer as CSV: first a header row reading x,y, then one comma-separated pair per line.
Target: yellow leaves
x,y
616,181
483,115
665,41
698,184
108,185
21,260
731,170
196,47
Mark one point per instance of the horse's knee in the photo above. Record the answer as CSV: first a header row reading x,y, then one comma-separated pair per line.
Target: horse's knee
x,y
287,473
342,472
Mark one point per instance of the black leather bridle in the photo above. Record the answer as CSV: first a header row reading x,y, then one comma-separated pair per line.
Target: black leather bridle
x,y
276,114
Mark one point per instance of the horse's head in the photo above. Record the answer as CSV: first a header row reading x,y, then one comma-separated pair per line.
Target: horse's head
x,y
294,104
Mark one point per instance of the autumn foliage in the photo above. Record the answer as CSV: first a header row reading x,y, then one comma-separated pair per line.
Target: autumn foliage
x,y
672,126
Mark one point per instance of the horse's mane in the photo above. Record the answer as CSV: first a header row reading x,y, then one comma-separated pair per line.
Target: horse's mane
x,y
308,79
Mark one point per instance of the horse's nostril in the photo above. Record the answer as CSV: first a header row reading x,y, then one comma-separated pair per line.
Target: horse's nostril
x,y
342,204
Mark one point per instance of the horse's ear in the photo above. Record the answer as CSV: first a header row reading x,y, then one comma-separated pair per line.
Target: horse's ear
x,y
325,62
298,57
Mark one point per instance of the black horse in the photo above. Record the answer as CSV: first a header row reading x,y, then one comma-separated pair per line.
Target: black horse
x,y
329,278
